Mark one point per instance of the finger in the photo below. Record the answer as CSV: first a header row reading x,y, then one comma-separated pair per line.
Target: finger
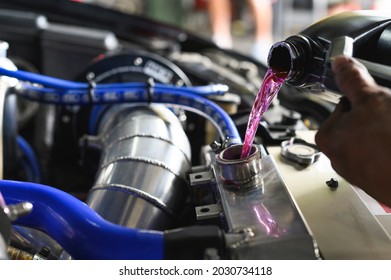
x,y
353,79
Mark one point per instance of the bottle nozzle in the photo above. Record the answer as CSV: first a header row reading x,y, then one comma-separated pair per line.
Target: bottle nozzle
x,y
281,59
299,60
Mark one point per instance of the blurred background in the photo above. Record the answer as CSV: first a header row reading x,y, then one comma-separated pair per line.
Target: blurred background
x,y
247,26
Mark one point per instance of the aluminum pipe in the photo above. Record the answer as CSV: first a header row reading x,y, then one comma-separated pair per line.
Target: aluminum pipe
x,y
141,182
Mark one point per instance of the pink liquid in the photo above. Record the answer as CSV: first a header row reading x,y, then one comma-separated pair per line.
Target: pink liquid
x,y
271,84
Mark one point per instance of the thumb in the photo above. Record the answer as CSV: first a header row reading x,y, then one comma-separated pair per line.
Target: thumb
x,y
352,78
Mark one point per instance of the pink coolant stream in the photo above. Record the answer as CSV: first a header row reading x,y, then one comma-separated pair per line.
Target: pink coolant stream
x,y
271,85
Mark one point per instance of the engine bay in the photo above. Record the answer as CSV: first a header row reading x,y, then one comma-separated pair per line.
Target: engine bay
x,y
120,132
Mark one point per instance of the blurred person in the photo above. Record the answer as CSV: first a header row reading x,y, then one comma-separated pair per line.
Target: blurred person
x,y
220,14
382,5
357,135
338,6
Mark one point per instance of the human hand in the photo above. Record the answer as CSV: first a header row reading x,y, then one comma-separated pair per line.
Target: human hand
x,y
357,138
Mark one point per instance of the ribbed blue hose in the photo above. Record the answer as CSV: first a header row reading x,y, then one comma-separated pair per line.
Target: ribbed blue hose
x,y
79,229
66,86
198,104
56,91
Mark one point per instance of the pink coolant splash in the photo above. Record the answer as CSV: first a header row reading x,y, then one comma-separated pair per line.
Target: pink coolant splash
x,y
271,84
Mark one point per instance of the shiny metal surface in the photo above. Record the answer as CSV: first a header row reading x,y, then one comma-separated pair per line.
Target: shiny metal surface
x,y
5,232
141,182
240,173
3,249
266,219
34,240
7,109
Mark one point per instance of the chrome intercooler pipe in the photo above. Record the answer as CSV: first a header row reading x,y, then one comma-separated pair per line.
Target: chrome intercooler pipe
x,y
141,181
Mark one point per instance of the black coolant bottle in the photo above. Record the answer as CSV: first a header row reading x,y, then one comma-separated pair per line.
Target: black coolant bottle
x,y
304,59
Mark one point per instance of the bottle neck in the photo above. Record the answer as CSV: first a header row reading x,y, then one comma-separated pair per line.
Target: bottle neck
x,y
290,59
282,58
